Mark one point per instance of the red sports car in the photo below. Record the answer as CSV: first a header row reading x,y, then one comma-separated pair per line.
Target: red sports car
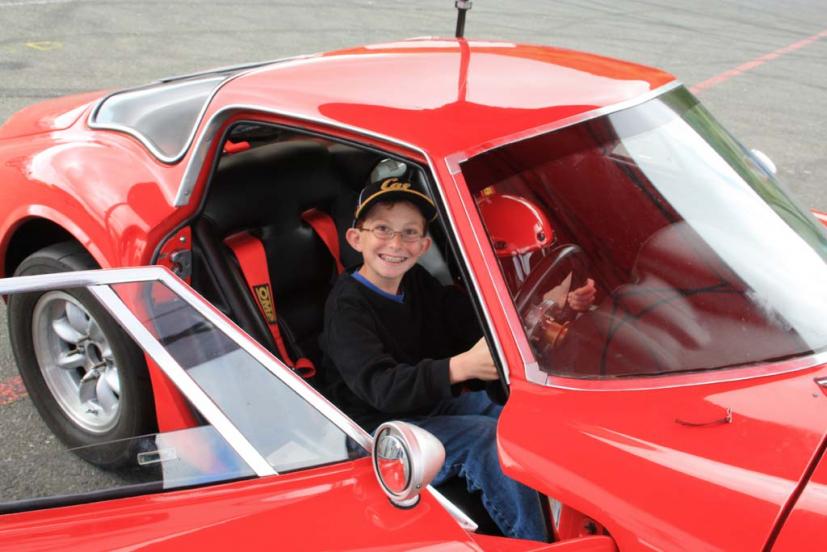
x,y
684,408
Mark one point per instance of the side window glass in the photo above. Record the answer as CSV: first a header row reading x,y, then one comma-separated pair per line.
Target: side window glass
x,y
279,423
254,420
38,470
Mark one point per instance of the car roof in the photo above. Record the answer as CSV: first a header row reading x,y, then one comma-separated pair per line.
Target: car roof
x,y
444,95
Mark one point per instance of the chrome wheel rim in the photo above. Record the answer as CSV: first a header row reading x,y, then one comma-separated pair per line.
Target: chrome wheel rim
x,y
76,361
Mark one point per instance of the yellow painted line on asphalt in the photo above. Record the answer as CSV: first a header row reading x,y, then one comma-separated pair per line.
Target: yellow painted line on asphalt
x,y
45,45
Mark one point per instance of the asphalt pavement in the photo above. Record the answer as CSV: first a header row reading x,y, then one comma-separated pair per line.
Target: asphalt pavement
x,y
758,65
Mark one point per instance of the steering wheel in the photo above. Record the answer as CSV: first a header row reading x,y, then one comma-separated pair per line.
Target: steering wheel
x,y
550,272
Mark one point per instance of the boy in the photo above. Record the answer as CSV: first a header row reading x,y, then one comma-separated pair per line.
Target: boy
x,y
394,340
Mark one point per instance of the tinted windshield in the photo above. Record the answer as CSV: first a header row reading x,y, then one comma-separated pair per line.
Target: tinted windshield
x,y
699,258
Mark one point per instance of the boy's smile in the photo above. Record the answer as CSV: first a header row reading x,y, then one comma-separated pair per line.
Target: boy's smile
x,y
387,260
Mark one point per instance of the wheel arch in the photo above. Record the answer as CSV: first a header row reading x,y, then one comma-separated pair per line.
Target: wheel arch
x,y
32,234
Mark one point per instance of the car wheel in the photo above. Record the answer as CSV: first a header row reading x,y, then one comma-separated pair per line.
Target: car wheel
x,y
86,377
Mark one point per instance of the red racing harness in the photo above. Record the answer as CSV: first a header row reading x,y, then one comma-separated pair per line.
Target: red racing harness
x,y
249,251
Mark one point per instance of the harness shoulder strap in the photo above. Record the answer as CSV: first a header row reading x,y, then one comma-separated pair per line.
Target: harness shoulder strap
x,y
251,256
324,226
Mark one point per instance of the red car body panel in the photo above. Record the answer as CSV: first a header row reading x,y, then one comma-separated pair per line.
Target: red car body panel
x,y
299,511
804,528
47,116
101,187
668,484
476,94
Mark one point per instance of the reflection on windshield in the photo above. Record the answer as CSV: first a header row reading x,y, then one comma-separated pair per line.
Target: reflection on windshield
x,y
281,425
699,258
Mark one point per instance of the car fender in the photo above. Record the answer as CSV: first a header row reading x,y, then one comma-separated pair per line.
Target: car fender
x,y
22,215
114,202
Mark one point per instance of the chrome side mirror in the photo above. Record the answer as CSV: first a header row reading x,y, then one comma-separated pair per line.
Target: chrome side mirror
x,y
764,160
406,458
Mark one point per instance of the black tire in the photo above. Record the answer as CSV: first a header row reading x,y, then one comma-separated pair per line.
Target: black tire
x,y
78,425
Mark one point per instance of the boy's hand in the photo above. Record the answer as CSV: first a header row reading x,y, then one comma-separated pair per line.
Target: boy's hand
x,y
475,363
582,298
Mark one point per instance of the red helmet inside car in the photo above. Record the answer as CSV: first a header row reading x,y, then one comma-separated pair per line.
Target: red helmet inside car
x,y
520,232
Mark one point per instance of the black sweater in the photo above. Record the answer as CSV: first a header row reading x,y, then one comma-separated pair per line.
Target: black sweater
x,y
387,360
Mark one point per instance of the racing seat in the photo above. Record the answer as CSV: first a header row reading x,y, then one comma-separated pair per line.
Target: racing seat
x,y
264,191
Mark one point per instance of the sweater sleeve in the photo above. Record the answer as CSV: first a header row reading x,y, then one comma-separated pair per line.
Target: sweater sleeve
x,y
458,325
354,346
462,322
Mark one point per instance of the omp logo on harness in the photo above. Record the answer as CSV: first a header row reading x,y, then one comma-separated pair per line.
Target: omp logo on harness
x,y
394,184
265,301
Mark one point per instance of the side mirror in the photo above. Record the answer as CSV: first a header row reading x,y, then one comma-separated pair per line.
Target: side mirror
x,y
764,160
406,458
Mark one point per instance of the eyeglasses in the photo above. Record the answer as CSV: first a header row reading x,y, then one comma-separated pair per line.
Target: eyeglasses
x,y
384,232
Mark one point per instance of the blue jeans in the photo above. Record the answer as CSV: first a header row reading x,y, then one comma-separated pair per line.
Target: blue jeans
x,y
467,426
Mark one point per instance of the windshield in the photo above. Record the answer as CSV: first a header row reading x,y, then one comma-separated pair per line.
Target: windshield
x,y
648,241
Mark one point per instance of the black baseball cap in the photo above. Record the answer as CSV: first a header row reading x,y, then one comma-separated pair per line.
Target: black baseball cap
x,y
399,188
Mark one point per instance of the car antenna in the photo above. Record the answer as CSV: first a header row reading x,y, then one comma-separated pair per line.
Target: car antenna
x,y
462,7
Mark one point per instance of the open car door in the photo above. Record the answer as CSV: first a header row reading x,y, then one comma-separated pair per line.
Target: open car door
x,y
269,458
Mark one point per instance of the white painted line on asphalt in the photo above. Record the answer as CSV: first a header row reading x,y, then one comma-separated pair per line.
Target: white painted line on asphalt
x,y
24,3
760,60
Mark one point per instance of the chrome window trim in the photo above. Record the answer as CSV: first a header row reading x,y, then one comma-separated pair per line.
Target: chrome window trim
x,y
455,160
168,159
474,281
80,278
461,517
118,309
98,282
712,377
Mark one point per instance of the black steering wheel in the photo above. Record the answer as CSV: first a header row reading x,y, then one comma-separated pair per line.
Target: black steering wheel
x,y
546,323
550,272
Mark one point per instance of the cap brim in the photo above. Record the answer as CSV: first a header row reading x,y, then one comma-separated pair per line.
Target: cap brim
x,y
422,202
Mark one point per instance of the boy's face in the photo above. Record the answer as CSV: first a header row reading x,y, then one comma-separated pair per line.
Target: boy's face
x,y
387,260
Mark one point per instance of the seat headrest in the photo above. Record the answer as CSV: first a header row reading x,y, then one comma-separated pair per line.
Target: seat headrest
x,y
270,185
